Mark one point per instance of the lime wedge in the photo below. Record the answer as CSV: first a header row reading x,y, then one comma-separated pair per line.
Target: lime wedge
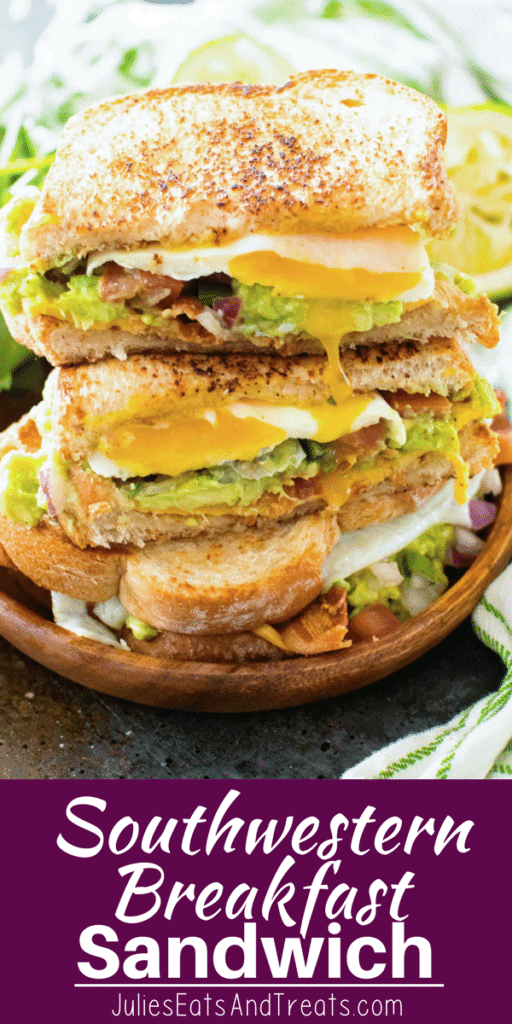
x,y
234,58
479,163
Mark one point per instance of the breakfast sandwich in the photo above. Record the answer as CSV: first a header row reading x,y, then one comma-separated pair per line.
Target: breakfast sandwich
x,y
164,446
203,494
233,217
254,359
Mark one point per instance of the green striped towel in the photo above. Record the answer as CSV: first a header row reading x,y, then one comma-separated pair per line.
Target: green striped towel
x,y
477,743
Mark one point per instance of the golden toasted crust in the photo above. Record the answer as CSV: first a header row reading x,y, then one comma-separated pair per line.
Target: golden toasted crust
x,y
47,556
202,164
416,478
149,386
449,314
230,583
165,380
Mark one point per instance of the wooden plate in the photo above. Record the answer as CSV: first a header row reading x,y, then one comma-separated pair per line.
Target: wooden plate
x,y
197,686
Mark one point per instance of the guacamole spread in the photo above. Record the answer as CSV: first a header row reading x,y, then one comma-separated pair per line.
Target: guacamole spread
x,y
232,483
425,556
19,488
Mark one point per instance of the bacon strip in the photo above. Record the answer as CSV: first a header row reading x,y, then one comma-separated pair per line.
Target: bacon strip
x,y
414,405
117,283
321,627
303,488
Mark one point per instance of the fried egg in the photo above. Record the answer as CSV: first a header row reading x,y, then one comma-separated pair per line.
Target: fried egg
x,y
239,431
372,264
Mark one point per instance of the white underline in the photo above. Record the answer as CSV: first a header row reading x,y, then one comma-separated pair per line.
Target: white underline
x,y
286,984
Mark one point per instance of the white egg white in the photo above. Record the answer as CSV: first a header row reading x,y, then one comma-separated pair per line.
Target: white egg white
x,y
297,422
323,250
360,548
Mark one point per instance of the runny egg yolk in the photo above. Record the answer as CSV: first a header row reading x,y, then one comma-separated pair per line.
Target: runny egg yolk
x,y
196,441
290,278
372,265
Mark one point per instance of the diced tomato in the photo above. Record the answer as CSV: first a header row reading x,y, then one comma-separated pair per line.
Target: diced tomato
x,y
501,395
372,622
303,488
501,424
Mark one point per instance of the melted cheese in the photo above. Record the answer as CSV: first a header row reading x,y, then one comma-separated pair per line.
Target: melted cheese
x,y
240,431
338,486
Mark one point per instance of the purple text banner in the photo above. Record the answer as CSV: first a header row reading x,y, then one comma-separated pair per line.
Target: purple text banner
x,y
280,901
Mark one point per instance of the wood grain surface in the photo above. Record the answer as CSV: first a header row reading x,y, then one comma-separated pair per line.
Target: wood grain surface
x,y
199,686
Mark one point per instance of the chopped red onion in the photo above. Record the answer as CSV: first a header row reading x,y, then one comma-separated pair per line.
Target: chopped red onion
x,y
491,482
53,488
481,513
44,483
4,272
419,593
464,550
458,559
229,309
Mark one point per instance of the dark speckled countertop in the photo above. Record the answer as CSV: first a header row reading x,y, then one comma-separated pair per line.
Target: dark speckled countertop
x,y
53,729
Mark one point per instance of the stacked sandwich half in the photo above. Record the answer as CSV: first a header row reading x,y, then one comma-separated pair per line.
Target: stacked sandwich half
x,y
253,356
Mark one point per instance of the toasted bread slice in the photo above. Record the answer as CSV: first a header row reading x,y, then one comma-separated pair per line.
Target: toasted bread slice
x,y
449,314
100,518
143,386
233,583
205,164
49,559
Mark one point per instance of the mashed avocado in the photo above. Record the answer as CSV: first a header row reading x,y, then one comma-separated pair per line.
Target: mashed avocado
x,y
78,300
432,435
141,630
481,402
456,277
19,488
262,312
424,556
232,483
426,433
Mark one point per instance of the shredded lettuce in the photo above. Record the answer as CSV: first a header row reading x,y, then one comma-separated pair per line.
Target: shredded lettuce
x,y
424,557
